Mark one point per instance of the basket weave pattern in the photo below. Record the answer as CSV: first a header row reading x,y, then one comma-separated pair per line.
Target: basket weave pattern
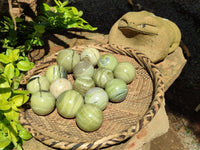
x,y
121,120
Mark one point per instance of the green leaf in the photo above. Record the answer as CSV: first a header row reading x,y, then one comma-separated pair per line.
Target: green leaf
x,y
21,48
4,105
4,59
9,71
65,3
5,89
39,28
5,42
80,13
16,72
4,140
17,100
1,68
23,133
74,10
12,37
8,52
26,98
15,108
46,7
14,55
24,92
58,3
16,82
12,115
14,135
24,65
19,20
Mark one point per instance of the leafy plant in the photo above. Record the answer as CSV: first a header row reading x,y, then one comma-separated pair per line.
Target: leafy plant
x,y
11,131
30,33
8,34
34,39
63,16
27,33
14,63
13,66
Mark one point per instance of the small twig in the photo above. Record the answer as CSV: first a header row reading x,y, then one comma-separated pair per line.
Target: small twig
x,y
11,14
130,2
197,108
135,5
185,49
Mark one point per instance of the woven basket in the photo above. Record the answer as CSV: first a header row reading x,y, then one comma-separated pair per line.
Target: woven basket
x,y
121,120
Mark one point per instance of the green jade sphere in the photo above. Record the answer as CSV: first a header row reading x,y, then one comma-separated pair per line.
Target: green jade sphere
x,y
60,85
90,54
108,61
37,83
89,117
83,69
125,71
117,90
68,58
97,96
68,103
42,102
102,76
54,72
83,84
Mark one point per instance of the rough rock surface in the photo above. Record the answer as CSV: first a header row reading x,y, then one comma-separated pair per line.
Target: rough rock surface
x,y
154,36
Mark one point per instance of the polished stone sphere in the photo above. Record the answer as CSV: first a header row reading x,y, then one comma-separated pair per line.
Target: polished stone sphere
x,y
97,96
117,90
83,84
54,72
89,117
83,69
90,54
125,71
108,61
102,76
37,83
60,85
42,102
68,103
68,58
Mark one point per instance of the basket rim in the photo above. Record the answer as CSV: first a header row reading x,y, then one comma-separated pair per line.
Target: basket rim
x,y
158,99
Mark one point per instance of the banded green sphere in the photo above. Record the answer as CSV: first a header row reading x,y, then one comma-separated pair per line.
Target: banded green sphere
x,y
117,90
68,103
108,61
68,58
60,85
54,72
83,69
90,54
102,76
37,83
97,96
83,84
89,117
42,102
125,71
